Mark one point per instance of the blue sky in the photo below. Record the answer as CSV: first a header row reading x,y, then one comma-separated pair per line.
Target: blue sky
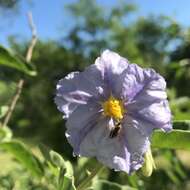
x,y
52,20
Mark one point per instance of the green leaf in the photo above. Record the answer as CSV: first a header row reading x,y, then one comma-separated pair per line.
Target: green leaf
x,y
3,111
56,159
65,176
5,134
65,181
26,158
45,152
176,139
69,168
8,59
103,184
61,178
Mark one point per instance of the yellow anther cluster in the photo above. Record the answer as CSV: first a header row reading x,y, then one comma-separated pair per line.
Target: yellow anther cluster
x,y
113,108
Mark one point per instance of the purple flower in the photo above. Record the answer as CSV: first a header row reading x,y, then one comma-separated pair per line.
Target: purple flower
x,y
111,108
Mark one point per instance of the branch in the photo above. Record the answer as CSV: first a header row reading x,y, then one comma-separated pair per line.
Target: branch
x,y
21,81
34,37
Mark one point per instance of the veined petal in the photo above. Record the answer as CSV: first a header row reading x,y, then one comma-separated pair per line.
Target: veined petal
x,y
142,84
136,143
148,103
156,114
110,151
112,66
143,126
132,83
154,87
80,122
64,106
78,88
113,62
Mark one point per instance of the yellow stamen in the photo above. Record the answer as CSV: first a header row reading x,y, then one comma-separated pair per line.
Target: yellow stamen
x,y
113,108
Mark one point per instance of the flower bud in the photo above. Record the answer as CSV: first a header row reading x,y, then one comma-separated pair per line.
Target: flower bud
x,y
149,164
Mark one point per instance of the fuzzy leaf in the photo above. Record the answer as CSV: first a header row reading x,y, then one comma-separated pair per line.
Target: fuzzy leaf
x,y
176,139
5,134
10,60
3,111
24,156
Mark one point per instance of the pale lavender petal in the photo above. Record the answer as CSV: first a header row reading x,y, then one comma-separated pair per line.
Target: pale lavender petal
x,y
113,68
154,87
110,151
132,83
143,126
156,114
112,62
80,122
149,102
136,143
142,84
78,88
64,106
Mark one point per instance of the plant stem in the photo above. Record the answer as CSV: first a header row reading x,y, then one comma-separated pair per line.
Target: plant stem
x,y
94,172
14,101
21,81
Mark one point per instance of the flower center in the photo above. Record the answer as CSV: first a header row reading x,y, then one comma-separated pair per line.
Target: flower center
x,y
113,108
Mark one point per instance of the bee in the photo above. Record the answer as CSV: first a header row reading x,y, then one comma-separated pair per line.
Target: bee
x,y
115,131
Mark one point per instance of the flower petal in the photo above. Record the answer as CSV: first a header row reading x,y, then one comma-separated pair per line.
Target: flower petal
x,y
136,143
132,82
112,66
142,84
78,88
149,102
80,122
156,114
154,88
113,62
110,151
143,126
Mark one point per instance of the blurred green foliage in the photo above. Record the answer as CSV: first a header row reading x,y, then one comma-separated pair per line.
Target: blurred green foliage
x,y
8,4
155,41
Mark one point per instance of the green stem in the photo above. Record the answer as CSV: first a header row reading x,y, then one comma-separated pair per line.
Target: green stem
x,y
84,183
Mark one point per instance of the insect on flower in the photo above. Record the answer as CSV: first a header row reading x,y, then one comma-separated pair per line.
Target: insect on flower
x,y
112,108
115,131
